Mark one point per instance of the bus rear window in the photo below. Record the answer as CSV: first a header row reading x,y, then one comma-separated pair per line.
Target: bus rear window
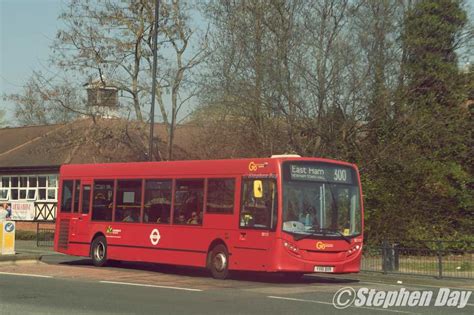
x,y
66,197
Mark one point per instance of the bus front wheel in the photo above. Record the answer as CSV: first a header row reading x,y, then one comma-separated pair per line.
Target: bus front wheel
x,y
218,262
99,251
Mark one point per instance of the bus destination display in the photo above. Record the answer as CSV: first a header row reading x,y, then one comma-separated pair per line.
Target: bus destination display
x,y
324,173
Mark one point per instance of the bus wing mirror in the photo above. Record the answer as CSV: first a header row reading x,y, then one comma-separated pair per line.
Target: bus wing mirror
x,y
257,189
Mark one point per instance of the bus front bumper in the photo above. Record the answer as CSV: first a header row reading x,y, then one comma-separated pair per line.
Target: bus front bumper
x,y
329,262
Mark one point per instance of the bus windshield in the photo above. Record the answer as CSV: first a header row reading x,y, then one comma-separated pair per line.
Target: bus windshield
x,y
321,199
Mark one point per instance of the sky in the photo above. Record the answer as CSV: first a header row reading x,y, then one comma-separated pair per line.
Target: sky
x,y
27,29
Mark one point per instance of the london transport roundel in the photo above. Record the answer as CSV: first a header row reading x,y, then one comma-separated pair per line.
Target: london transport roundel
x,y
155,236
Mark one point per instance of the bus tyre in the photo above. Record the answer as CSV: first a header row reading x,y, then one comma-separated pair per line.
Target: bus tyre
x,y
99,251
219,262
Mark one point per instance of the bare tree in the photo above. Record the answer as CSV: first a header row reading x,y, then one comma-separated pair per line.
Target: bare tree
x,y
284,69
112,39
2,118
179,36
45,101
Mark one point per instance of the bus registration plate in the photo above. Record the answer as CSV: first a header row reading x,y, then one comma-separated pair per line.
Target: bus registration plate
x,y
323,269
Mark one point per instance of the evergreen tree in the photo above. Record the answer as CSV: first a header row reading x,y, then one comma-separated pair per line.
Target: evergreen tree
x,y
421,189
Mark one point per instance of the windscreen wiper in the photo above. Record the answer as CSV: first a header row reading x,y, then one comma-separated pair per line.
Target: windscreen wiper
x,y
316,231
323,232
302,236
334,231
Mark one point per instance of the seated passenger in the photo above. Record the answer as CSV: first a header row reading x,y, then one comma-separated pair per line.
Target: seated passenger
x,y
181,219
128,216
193,219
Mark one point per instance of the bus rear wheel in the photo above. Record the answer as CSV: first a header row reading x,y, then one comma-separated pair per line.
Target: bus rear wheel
x,y
218,262
99,251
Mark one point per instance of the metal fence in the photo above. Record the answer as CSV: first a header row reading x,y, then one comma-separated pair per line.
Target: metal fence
x,y
44,235
440,259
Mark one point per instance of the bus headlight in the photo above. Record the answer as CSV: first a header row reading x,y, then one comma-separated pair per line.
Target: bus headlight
x,y
291,247
353,250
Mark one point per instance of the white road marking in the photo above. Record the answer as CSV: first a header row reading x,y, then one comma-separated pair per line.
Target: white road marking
x,y
25,275
152,286
328,303
298,300
381,283
414,285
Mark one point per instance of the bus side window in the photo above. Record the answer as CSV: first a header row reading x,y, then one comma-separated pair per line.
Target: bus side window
x,y
66,197
157,207
102,202
259,210
77,191
220,195
188,201
86,197
129,199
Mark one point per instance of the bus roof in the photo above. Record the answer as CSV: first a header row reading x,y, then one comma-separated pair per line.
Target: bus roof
x,y
247,166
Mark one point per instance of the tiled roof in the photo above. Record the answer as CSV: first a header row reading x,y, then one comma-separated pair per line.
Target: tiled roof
x,y
86,141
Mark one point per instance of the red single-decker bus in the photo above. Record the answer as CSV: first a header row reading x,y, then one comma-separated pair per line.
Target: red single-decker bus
x,y
283,214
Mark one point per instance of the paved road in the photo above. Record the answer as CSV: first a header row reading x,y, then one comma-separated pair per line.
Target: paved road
x,y
70,285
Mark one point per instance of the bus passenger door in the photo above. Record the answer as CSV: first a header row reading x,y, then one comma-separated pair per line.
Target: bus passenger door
x,y
257,223
75,215
84,210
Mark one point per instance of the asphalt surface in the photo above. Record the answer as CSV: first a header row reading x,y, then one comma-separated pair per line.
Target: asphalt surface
x,y
60,284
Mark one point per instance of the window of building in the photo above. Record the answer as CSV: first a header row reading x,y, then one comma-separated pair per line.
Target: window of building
x,y
14,188
188,201
14,194
23,181
102,202
157,206
4,187
220,195
28,188
47,188
31,194
259,204
42,188
129,199
66,197
33,181
3,194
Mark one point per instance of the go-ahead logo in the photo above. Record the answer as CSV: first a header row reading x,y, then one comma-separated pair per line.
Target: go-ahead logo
x,y
321,245
254,166
9,227
347,296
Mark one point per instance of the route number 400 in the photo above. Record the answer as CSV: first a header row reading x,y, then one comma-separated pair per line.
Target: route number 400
x,y
340,175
